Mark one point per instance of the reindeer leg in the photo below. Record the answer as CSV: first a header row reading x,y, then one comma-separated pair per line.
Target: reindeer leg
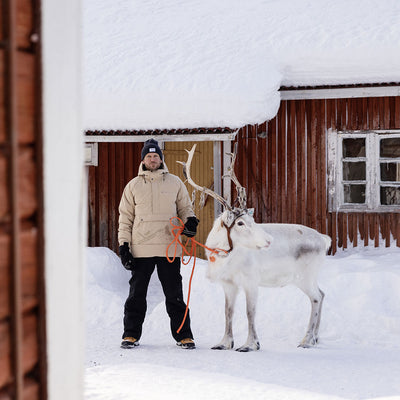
x,y
319,313
316,297
230,298
252,342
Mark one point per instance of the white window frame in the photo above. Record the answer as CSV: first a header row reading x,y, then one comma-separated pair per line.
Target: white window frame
x,y
373,182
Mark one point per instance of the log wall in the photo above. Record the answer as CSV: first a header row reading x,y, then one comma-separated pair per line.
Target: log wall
x,y
22,315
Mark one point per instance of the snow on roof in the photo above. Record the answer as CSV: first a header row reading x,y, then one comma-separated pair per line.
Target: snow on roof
x,y
159,64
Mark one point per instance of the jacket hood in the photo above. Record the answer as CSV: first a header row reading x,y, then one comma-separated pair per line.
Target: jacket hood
x,y
143,172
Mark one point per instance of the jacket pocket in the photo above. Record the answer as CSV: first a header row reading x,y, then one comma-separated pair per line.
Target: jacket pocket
x,y
152,229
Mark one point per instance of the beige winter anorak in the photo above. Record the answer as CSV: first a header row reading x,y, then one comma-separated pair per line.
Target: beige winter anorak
x,y
147,204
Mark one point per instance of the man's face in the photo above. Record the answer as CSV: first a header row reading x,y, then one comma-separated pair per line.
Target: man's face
x,y
152,161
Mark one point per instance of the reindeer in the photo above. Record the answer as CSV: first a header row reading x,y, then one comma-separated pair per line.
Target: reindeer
x,y
248,255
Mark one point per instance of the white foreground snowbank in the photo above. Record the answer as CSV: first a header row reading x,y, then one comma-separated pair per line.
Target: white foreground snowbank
x,y
357,357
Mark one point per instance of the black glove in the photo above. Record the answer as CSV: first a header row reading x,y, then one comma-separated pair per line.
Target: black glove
x,y
190,227
126,256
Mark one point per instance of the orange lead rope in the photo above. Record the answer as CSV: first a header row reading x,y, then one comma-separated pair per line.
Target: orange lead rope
x,y
176,231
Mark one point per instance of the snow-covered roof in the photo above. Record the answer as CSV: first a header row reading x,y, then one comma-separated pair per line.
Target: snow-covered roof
x,y
159,64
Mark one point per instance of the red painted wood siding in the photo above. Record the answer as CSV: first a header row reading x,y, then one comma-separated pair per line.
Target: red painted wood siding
x,y
22,313
286,172
118,164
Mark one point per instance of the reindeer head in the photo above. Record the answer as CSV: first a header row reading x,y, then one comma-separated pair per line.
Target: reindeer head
x,y
242,231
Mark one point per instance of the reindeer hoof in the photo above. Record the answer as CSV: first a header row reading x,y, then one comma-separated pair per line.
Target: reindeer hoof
x,y
219,347
308,344
222,347
245,349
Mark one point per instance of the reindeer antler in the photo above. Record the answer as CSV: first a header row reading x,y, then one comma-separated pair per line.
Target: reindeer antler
x,y
240,190
203,189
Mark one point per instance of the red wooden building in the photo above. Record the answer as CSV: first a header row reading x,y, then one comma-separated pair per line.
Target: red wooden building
x,y
330,159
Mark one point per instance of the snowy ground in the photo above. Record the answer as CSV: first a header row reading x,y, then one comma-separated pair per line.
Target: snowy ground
x,y
358,356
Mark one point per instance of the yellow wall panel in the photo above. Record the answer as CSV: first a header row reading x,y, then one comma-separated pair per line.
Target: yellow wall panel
x,y
202,172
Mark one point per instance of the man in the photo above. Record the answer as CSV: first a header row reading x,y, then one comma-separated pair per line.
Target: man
x,y
147,204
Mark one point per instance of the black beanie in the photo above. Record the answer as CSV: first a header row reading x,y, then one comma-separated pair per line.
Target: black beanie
x,y
151,146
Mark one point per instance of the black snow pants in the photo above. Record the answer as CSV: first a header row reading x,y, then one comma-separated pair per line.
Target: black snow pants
x,y
136,305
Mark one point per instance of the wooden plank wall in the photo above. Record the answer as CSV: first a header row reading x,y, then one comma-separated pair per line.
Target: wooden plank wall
x,y
202,173
118,164
22,313
286,175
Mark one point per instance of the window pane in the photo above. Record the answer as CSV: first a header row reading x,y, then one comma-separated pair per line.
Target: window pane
x,y
390,147
390,196
354,171
390,172
354,147
354,193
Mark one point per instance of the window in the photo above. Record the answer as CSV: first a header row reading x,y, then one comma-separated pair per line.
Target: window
x,y
364,170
